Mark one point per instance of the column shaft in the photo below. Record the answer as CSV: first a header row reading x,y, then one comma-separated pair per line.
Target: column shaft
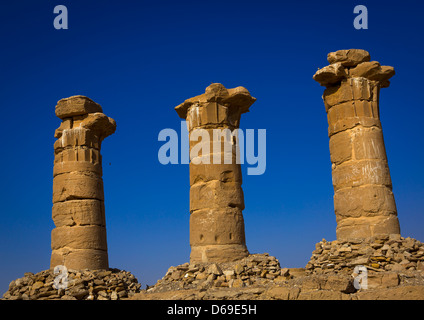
x,y
364,203
79,239
216,196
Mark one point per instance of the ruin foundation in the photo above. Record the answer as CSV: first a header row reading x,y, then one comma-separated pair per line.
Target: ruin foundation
x,y
79,239
364,203
395,270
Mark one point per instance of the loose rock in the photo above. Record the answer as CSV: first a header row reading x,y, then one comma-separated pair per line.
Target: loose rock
x,y
113,284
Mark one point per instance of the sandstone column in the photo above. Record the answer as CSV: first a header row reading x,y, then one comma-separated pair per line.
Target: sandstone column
x,y
79,239
363,200
216,195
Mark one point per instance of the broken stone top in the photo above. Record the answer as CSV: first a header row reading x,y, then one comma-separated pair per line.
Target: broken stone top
x,y
76,106
236,98
353,63
86,114
349,58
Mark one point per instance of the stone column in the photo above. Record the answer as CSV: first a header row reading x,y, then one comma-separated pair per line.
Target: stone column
x,y
363,200
79,239
216,196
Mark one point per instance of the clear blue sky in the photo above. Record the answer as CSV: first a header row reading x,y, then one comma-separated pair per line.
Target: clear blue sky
x,y
139,59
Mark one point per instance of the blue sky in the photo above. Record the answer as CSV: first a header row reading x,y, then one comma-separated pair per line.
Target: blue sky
x,y
139,59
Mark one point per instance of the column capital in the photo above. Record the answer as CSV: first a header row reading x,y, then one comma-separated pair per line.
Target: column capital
x,y
80,112
237,98
352,63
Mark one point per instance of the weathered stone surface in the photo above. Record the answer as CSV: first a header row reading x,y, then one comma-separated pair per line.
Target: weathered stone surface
x,y
365,69
330,74
398,293
218,252
101,125
364,201
65,125
216,194
77,185
338,94
340,283
210,227
368,143
79,212
79,237
373,71
364,109
75,258
361,172
75,106
350,123
348,115
383,280
63,166
215,141
341,147
349,90
212,113
386,72
341,111
219,172
77,136
349,58
363,227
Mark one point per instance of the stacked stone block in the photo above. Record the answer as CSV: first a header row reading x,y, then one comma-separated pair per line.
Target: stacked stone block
x,y
79,239
363,201
216,196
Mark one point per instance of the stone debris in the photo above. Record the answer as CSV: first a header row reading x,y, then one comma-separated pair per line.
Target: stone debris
x,y
380,253
256,277
260,277
254,269
112,284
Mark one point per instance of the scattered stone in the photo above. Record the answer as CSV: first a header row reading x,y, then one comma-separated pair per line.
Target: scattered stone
x,y
112,284
366,252
285,272
252,270
238,269
214,269
259,276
